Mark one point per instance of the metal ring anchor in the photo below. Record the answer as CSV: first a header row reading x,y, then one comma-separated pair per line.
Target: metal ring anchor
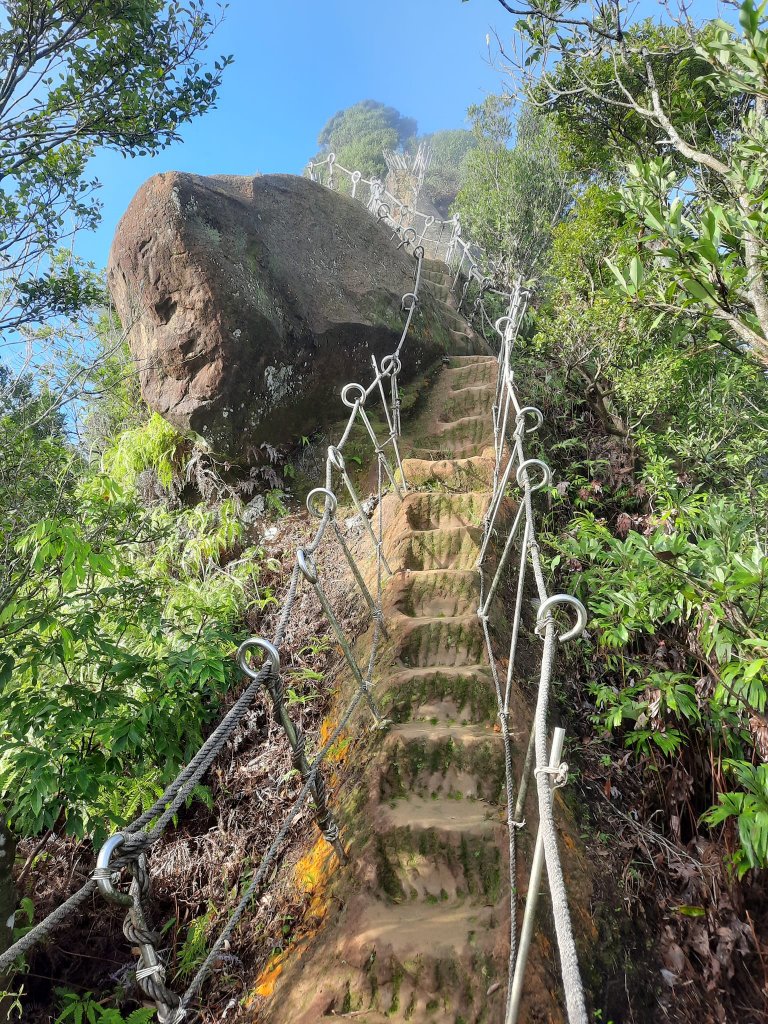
x,y
103,871
306,565
360,400
574,602
383,211
331,502
547,473
505,320
409,235
356,176
390,365
418,252
414,300
531,410
336,458
263,645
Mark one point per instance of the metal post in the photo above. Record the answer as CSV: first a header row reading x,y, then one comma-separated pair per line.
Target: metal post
x,y
516,995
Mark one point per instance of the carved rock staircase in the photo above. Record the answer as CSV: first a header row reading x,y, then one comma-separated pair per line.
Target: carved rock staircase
x,y
419,928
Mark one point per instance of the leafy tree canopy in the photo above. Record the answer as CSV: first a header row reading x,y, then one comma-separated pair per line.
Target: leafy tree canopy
x,y
76,76
359,134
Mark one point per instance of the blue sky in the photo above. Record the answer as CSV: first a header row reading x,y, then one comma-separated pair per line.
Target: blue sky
x,y
299,61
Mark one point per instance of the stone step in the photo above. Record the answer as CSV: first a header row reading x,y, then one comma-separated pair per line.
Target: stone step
x,y
451,693
485,372
468,474
448,548
462,343
415,962
438,851
434,592
438,266
463,434
434,760
474,400
433,510
440,642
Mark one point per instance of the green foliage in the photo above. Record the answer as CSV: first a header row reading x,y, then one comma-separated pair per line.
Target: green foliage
x,y
660,527
448,166
511,198
85,1009
750,809
194,949
83,76
359,134
116,632
113,400
620,92
679,615
599,131
153,445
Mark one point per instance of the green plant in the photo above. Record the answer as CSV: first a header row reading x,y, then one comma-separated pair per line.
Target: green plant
x,y
193,950
85,1009
750,809
153,445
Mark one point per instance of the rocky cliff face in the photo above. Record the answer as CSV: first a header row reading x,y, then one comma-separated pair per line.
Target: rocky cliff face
x,y
250,301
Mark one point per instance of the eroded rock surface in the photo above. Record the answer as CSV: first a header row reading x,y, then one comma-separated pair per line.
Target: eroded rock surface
x,y
250,301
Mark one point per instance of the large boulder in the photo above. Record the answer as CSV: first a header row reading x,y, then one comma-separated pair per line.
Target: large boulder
x,y
250,301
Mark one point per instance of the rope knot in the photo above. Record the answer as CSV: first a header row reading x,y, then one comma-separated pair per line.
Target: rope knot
x,y
558,774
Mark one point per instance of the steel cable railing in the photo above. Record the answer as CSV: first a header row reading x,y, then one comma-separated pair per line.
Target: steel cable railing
x,y
441,239
511,422
510,425
127,849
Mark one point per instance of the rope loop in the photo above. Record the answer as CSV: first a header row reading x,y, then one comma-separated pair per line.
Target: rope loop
x,y
335,458
523,468
352,402
307,566
330,502
260,644
557,599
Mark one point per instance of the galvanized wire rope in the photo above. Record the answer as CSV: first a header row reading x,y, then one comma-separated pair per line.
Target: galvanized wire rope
x,y
128,847
510,455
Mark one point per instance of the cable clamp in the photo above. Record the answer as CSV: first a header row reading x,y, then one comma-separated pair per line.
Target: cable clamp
x,y
149,972
331,834
519,824
558,774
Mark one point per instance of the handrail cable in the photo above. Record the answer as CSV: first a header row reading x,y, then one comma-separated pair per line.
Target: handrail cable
x,y
128,848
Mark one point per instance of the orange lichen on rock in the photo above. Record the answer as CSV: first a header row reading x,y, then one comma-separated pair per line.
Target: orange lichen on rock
x,y
265,984
339,749
313,874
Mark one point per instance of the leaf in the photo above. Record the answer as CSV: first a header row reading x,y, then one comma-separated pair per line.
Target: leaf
x,y
689,911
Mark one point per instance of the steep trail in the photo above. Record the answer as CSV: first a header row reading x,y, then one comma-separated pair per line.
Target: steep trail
x,y
419,929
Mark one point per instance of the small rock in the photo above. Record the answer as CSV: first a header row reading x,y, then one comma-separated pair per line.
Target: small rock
x,y
254,510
